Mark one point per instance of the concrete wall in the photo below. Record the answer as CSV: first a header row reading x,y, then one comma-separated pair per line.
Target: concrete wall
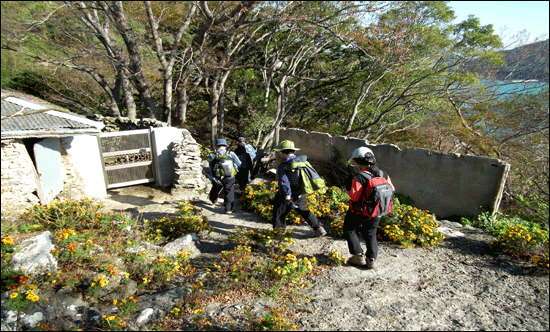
x,y
162,139
445,184
83,152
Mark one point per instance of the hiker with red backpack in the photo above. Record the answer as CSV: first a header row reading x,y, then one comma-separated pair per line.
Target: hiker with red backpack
x,y
290,195
371,197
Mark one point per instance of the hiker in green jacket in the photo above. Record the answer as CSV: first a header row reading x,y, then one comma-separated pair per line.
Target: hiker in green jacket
x,y
289,195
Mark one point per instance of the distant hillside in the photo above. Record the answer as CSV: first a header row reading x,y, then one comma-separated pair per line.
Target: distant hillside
x,y
526,62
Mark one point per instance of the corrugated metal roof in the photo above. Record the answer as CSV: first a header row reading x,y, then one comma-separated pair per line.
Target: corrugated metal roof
x,y
23,117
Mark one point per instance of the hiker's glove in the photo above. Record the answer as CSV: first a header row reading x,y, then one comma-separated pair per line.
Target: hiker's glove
x,y
291,204
349,180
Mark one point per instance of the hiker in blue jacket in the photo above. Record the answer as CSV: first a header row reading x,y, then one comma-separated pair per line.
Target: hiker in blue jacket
x,y
289,196
363,159
224,165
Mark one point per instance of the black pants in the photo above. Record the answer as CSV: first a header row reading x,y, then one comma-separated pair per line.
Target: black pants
x,y
281,210
243,177
228,192
368,227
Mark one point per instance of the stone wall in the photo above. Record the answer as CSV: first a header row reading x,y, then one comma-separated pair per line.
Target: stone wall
x,y
447,184
19,176
188,169
123,123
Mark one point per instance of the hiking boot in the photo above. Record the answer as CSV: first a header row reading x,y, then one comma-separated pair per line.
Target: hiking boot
x,y
229,212
370,264
357,260
320,232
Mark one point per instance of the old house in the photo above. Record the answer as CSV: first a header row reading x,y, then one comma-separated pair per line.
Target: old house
x,y
47,151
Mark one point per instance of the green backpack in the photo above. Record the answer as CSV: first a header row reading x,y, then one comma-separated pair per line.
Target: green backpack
x,y
310,181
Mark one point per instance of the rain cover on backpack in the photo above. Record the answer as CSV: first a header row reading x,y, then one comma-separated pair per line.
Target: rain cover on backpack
x,y
377,197
224,165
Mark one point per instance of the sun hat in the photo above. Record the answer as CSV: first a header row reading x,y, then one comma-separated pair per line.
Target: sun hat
x,y
362,153
286,145
241,139
221,141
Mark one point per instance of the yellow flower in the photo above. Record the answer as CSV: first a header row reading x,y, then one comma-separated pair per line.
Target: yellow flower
x,y
7,240
14,295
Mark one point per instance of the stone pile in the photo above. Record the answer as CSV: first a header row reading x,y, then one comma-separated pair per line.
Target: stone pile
x,y
187,168
123,123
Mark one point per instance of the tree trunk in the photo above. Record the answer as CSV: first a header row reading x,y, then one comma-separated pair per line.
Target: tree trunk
x,y
129,97
135,67
168,99
221,111
181,107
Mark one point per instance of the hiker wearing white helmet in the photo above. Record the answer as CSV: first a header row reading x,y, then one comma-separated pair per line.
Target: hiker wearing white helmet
x,y
363,213
289,196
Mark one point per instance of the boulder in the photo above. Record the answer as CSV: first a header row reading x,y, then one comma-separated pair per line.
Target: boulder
x,y
187,242
35,255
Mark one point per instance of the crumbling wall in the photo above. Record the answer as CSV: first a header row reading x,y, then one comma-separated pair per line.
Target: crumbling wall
x,y
123,123
18,178
446,184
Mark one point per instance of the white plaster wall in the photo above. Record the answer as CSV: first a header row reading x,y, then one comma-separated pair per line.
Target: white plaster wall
x,y
83,151
162,140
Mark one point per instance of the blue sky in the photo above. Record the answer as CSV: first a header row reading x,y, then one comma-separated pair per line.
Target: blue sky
x,y
513,15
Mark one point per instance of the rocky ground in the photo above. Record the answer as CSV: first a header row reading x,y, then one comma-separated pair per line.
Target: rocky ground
x,y
459,285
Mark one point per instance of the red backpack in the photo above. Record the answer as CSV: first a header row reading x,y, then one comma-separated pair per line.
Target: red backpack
x,y
376,198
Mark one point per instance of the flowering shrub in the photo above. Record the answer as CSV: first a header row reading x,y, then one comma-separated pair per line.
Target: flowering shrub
x,y
274,238
406,225
526,240
289,268
188,220
526,243
410,226
22,295
236,263
258,201
70,214
273,320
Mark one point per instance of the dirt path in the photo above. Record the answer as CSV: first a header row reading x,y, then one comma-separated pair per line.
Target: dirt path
x,y
459,285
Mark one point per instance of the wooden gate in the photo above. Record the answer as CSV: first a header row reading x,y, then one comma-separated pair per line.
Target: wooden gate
x,y
127,157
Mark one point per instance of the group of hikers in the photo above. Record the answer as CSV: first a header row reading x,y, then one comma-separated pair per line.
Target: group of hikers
x,y
370,191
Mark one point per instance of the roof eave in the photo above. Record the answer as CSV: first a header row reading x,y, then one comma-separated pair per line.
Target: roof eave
x,y
45,133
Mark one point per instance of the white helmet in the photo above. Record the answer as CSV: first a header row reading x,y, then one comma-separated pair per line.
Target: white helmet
x,y
361,153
